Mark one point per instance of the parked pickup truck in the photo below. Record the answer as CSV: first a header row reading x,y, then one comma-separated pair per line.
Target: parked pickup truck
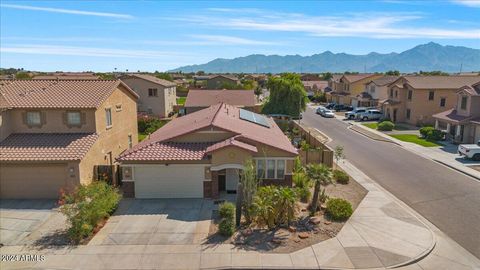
x,y
470,150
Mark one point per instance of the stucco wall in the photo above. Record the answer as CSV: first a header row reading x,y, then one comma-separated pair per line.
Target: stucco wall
x,y
6,125
422,109
218,82
161,105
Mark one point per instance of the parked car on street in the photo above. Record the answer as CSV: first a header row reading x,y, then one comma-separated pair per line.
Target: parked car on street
x,y
370,115
355,113
327,113
330,105
320,109
470,151
341,107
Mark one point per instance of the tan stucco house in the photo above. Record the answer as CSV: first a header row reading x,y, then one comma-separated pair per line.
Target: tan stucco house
x,y
201,99
415,99
156,96
375,92
349,86
202,154
462,123
53,133
221,80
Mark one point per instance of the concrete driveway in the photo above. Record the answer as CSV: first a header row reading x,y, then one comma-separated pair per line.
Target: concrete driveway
x,y
33,222
157,222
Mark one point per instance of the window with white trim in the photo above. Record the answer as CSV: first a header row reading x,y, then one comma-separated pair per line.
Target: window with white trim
x,y
108,117
34,119
271,168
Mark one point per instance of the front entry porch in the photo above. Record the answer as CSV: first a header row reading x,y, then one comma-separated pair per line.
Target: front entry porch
x,y
224,180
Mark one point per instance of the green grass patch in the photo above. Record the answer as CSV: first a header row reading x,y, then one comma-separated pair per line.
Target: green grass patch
x,y
181,100
142,136
373,125
412,138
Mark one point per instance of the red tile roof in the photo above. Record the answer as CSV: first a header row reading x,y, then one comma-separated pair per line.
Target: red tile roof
x,y
232,142
151,78
174,151
57,93
222,116
205,98
46,146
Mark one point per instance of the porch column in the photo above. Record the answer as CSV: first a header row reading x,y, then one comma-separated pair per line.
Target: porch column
x,y
457,130
448,127
436,124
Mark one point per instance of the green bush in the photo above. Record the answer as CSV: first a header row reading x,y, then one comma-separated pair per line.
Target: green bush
x,y
339,209
149,124
432,134
386,126
227,223
303,193
274,206
341,177
302,186
88,206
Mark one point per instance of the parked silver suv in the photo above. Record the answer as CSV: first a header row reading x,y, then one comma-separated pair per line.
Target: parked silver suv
x,y
370,115
355,113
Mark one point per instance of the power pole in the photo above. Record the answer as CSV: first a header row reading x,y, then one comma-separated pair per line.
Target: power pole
x,y
461,67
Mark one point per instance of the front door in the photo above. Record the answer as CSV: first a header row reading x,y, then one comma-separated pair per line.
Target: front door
x,y
222,183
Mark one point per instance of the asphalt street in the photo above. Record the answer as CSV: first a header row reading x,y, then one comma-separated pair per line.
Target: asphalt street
x,y
447,198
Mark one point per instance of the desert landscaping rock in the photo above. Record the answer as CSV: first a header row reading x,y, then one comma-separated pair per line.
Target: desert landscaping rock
x,y
303,235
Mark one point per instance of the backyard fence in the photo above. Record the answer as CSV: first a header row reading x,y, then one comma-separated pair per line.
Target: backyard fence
x,y
319,152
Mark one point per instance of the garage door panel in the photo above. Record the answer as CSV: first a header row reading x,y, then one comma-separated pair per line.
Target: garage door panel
x,y
182,181
31,182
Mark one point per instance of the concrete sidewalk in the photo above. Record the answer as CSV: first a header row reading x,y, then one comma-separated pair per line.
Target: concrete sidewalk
x,y
433,153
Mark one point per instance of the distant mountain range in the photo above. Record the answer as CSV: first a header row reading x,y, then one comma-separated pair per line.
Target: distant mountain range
x,y
426,57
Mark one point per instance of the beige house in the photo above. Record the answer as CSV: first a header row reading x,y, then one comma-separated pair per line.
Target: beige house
x,y
462,123
200,99
415,99
53,133
221,81
202,154
349,86
156,96
375,93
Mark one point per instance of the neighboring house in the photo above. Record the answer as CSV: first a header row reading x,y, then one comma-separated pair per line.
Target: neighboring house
x,y
375,93
156,96
415,99
202,154
462,123
67,76
313,87
349,86
220,81
54,133
201,99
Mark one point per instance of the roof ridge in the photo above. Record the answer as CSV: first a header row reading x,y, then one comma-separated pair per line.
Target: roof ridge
x,y
217,112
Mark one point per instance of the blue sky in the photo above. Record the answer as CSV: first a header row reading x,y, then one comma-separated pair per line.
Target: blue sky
x,y
161,35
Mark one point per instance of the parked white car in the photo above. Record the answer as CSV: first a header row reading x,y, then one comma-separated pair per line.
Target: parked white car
x,y
370,115
470,150
355,114
327,113
320,109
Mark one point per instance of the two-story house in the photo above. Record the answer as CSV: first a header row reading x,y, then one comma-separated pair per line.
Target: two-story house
x,y
375,92
415,99
221,81
462,123
54,133
349,86
156,96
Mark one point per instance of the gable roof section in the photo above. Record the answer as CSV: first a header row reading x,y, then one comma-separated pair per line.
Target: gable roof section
x,y
232,142
152,79
351,78
164,151
46,146
439,82
202,98
230,77
58,93
385,80
222,116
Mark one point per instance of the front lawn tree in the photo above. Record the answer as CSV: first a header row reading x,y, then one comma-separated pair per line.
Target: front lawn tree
x,y
249,188
321,175
287,95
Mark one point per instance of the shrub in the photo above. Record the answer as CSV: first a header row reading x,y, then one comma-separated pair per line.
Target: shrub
x,y
341,177
430,133
87,206
227,223
339,209
302,186
274,206
149,124
303,193
386,126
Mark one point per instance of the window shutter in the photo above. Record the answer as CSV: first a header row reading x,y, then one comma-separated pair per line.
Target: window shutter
x,y
83,117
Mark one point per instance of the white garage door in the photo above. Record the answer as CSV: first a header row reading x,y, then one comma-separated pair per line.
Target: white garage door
x,y
173,181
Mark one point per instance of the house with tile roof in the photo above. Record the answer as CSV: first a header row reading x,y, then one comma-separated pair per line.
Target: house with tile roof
x,y
375,92
156,96
201,99
54,133
220,81
462,123
415,99
349,86
202,154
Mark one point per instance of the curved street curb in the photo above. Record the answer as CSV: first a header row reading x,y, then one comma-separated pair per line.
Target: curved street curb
x,y
366,134
456,169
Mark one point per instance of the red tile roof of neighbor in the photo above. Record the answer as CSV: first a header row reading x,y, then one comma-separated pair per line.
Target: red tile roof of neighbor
x,y
57,93
203,98
46,146
222,116
438,82
357,77
151,78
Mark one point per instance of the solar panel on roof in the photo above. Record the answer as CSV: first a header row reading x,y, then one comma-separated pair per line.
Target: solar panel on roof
x,y
254,118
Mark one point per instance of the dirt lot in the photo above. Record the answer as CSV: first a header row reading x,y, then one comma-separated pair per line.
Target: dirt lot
x,y
301,233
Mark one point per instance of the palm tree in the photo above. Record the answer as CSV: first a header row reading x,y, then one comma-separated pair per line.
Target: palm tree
x,y
321,174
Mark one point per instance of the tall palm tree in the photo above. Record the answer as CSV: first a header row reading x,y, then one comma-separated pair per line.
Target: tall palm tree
x,y
321,174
